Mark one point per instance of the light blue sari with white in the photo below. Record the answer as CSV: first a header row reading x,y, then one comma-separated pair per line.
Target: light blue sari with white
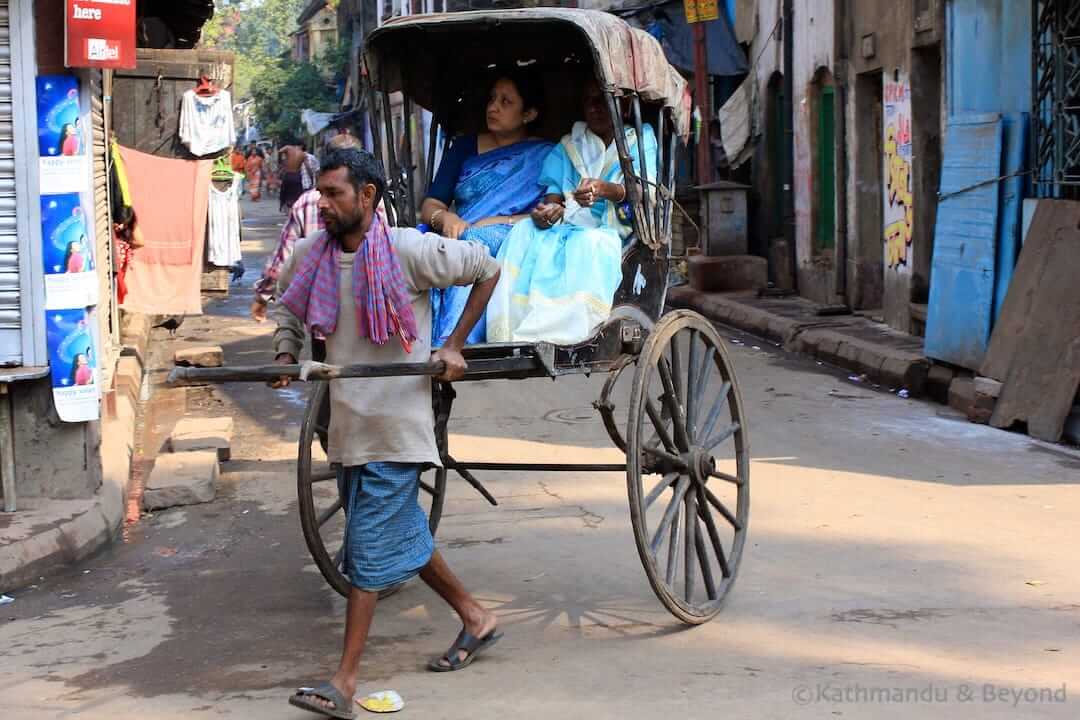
x,y
502,181
558,284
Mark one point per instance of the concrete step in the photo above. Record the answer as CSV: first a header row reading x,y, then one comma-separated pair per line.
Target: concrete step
x,y
183,478
203,434
203,356
720,273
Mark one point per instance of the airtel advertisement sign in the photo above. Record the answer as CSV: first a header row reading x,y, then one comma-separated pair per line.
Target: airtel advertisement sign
x,y
100,33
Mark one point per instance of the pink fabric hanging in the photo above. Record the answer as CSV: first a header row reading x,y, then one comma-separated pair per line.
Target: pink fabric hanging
x,y
171,199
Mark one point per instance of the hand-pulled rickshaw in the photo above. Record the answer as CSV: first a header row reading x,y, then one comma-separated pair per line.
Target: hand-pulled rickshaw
x,y
682,425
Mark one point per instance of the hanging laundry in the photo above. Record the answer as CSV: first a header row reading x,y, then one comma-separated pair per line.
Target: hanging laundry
x,y
224,241
171,200
206,122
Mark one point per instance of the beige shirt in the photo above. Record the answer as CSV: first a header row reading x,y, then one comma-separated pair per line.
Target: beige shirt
x,y
384,419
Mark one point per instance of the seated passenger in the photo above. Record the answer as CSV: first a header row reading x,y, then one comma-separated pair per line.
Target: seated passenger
x,y
491,180
560,271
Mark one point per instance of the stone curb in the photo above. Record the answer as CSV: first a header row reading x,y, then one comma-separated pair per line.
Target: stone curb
x,y
82,535
881,363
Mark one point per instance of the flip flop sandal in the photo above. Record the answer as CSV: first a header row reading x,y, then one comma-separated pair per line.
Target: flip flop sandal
x,y
305,699
472,646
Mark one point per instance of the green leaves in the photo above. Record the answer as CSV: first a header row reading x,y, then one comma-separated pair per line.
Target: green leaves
x,y
258,32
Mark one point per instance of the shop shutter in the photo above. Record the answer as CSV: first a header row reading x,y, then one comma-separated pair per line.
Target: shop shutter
x,y
10,321
102,218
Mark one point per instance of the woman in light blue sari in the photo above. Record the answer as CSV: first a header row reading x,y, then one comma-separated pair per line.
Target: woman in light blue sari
x,y
491,181
561,268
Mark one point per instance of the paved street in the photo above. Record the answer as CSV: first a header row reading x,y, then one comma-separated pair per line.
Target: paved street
x,y
892,545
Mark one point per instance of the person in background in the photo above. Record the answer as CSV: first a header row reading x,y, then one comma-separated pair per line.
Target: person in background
x,y
253,169
293,175
237,162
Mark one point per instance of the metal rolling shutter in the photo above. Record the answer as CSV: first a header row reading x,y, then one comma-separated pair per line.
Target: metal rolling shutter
x,y
102,220
10,320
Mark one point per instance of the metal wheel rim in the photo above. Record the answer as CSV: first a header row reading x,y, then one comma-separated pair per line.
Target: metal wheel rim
x,y
309,514
638,419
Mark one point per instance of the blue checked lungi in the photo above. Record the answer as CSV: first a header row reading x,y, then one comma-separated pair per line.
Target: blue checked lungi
x,y
387,540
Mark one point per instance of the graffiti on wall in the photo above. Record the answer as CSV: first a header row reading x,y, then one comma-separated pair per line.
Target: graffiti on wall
x,y
899,211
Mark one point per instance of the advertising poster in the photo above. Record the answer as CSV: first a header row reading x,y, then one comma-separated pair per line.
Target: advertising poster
x,y
62,139
100,33
70,280
73,363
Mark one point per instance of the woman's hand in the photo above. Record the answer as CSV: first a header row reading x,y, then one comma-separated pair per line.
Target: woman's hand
x,y
589,190
546,215
452,226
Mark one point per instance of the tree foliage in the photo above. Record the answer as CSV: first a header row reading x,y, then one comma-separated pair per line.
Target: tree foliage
x,y
258,31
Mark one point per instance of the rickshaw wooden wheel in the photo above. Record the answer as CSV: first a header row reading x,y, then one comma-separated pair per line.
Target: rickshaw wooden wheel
x,y
321,516
688,466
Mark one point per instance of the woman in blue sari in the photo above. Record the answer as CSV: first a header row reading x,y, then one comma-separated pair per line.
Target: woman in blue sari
x,y
491,181
560,270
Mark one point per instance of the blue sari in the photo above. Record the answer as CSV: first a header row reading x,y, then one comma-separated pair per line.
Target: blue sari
x,y
502,181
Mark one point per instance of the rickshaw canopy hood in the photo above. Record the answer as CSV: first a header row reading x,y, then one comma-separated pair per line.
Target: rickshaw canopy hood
x,y
625,58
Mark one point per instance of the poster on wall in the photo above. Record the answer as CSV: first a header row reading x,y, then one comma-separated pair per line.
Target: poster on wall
x,y
73,361
68,262
61,137
100,33
67,253
899,212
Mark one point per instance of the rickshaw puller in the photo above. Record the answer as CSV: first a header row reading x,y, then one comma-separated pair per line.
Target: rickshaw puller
x,y
364,287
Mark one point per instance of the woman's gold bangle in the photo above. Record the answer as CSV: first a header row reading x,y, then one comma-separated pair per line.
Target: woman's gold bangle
x,y
435,215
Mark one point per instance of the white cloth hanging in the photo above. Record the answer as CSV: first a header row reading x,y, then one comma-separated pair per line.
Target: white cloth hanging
x,y
206,122
223,248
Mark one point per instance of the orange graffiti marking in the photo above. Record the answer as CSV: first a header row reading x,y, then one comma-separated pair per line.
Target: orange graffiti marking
x,y
898,235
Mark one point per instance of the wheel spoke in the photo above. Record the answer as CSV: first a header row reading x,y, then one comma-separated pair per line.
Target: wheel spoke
x,y
676,370
706,566
673,547
669,514
691,386
714,534
691,547
721,436
715,502
658,424
709,425
671,400
725,477
664,483
329,512
701,382
663,455
429,489
338,556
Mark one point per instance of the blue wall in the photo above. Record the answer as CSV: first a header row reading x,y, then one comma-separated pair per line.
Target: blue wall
x,y
989,56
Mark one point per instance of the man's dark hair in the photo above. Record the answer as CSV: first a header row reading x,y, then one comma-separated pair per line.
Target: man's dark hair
x,y
363,168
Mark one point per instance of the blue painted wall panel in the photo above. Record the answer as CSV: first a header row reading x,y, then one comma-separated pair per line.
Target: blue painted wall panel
x,y
1013,191
989,56
962,273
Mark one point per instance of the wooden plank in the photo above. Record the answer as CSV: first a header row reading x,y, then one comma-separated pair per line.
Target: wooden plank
x,y
1015,311
1041,326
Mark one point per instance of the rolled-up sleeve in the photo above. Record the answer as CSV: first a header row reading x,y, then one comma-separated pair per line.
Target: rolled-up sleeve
x,y
438,262
290,333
